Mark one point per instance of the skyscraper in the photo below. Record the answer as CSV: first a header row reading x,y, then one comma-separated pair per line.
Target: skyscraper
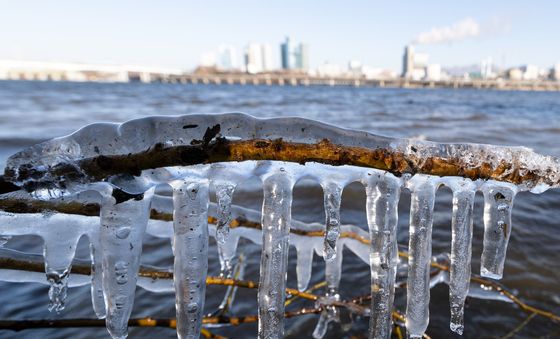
x,y
227,57
266,51
288,54
303,56
408,61
254,58
294,57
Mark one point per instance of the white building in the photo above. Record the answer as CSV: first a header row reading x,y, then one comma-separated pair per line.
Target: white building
x,y
556,72
328,69
267,60
433,72
253,59
486,69
530,72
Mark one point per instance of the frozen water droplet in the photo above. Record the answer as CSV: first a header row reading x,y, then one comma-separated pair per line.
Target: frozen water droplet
x,y
123,232
192,307
192,190
121,272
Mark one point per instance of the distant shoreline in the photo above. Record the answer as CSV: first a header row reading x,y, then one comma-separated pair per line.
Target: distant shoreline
x,y
305,81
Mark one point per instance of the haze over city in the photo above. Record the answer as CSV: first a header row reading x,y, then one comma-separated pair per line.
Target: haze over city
x,y
176,34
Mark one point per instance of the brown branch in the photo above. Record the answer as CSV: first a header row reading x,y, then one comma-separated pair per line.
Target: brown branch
x,y
222,150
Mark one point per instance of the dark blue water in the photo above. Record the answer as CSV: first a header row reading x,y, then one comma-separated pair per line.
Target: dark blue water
x,y
32,111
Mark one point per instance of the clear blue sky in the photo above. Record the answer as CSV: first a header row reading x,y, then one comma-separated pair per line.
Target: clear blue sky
x,y
176,33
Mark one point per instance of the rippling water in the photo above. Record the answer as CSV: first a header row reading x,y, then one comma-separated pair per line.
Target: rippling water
x,y
31,112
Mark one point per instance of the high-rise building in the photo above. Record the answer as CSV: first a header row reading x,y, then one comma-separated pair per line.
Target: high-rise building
x,y
266,50
227,58
253,58
288,54
302,56
294,57
408,61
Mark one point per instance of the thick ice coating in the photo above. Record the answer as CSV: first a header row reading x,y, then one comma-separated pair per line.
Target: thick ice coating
x,y
206,153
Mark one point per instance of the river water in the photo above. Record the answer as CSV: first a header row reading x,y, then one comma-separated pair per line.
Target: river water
x,y
31,112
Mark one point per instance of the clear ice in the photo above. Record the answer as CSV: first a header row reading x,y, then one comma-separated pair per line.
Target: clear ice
x,y
276,215
123,225
190,248
498,202
382,198
116,235
423,189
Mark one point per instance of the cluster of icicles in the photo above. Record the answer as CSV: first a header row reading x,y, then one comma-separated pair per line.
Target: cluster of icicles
x,y
116,240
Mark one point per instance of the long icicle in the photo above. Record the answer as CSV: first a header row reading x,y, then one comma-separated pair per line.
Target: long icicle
x,y
123,225
190,248
498,202
382,199
276,219
224,195
461,250
332,197
420,253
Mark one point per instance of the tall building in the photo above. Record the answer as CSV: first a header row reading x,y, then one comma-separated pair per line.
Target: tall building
x,y
556,72
287,52
267,62
253,58
227,57
408,61
294,56
302,56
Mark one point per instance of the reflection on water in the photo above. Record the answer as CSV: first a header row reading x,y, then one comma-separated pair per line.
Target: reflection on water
x,y
32,111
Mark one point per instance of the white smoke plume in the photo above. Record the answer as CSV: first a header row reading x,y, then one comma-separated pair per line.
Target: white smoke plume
x,y
466,28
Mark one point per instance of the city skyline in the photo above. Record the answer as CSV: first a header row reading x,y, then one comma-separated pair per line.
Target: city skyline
x,y
176,34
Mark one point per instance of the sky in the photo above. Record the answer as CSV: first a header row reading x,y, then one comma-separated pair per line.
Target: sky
x,y
176,33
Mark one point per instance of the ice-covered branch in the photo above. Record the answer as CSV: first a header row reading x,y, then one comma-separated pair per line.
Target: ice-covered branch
x,y
99,151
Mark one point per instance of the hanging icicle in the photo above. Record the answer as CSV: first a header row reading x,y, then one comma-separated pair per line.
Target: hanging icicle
x,y
498,202
382,198
276,218
422,198
122,228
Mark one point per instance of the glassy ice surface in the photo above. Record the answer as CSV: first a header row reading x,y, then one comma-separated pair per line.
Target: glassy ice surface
x,y
332,196
419,254
382,198
276,216
122,228
498,202
190,248
461,250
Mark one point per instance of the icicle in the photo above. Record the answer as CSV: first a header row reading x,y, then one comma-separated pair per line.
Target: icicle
x,y
382,201
333,271
461,250
226,253
122,228
498,201
60,246
97,298
304,265
224,195
276,218
190,248
332,197
420,253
